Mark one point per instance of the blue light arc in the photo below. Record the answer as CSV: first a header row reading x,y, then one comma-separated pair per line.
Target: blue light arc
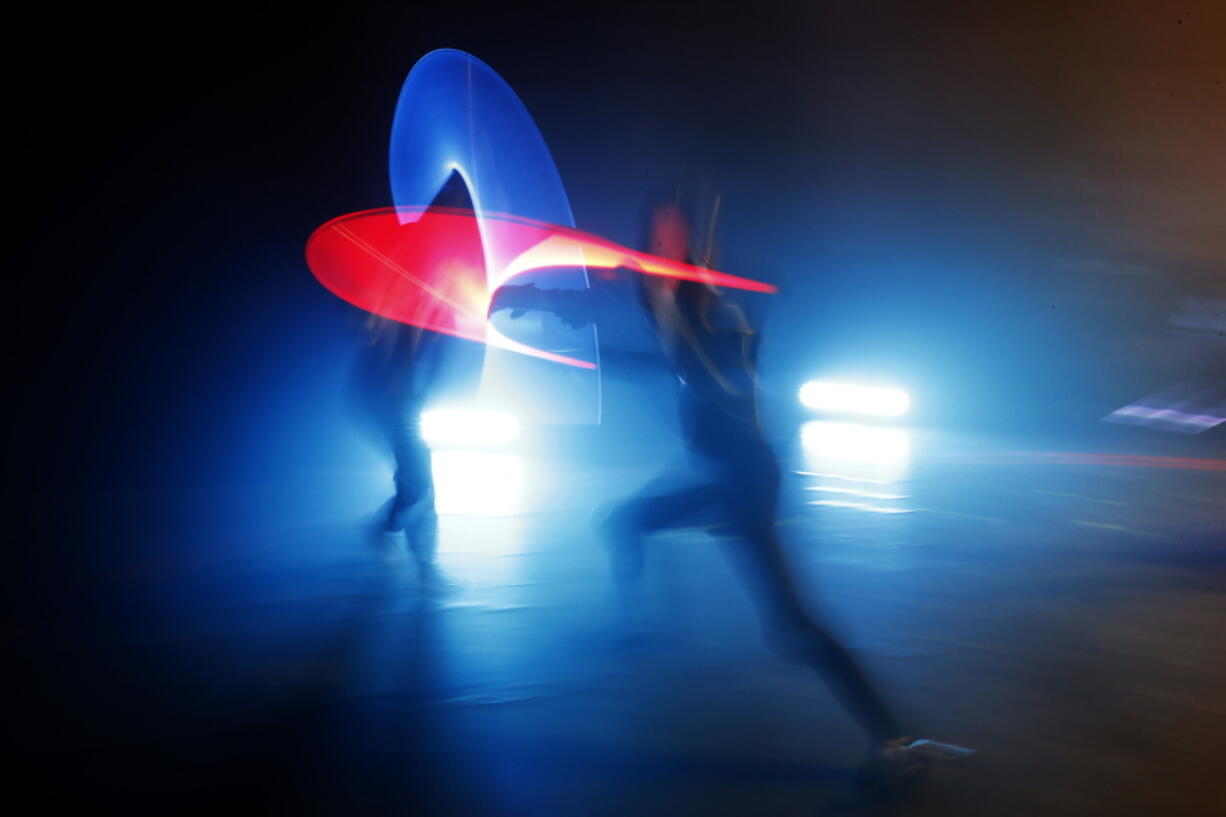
x,y
455,114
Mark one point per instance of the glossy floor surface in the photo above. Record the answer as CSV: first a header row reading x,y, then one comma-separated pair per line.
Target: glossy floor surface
x,y
1061,615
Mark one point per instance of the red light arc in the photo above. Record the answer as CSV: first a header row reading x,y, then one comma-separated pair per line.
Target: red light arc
x,y
426,267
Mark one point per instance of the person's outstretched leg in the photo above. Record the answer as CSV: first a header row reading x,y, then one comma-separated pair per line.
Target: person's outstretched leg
x,y
412,510
893,761
421,533
750,491
655,508
793,633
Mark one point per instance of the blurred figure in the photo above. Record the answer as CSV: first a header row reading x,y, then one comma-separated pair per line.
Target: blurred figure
x,y
388,386
733,472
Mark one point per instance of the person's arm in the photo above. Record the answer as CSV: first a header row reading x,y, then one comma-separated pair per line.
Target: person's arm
x,y
572,306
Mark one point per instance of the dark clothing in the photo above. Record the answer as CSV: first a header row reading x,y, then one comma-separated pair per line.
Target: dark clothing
x,y
411,508
718,401
735,474
390,378
388,387
742,491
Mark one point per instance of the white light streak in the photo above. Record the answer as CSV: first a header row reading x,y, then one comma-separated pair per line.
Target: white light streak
x,y
823,395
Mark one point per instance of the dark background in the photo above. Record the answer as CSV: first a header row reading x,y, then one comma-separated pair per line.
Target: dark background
x,y
999,205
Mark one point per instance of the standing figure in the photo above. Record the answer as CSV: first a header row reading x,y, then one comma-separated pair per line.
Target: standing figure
x,y
734,472
388,386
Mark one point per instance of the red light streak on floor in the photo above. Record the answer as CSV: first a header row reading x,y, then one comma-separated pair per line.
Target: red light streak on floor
x,y
1131,460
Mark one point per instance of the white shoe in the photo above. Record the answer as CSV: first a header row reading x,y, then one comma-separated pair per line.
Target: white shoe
x,y
893,765
902,762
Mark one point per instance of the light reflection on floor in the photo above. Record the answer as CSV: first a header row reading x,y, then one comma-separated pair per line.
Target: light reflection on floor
x,y
1031,609
839,457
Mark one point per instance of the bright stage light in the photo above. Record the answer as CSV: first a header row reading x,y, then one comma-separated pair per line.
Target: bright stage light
x,y
468,427
848,441
823,395
477,483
